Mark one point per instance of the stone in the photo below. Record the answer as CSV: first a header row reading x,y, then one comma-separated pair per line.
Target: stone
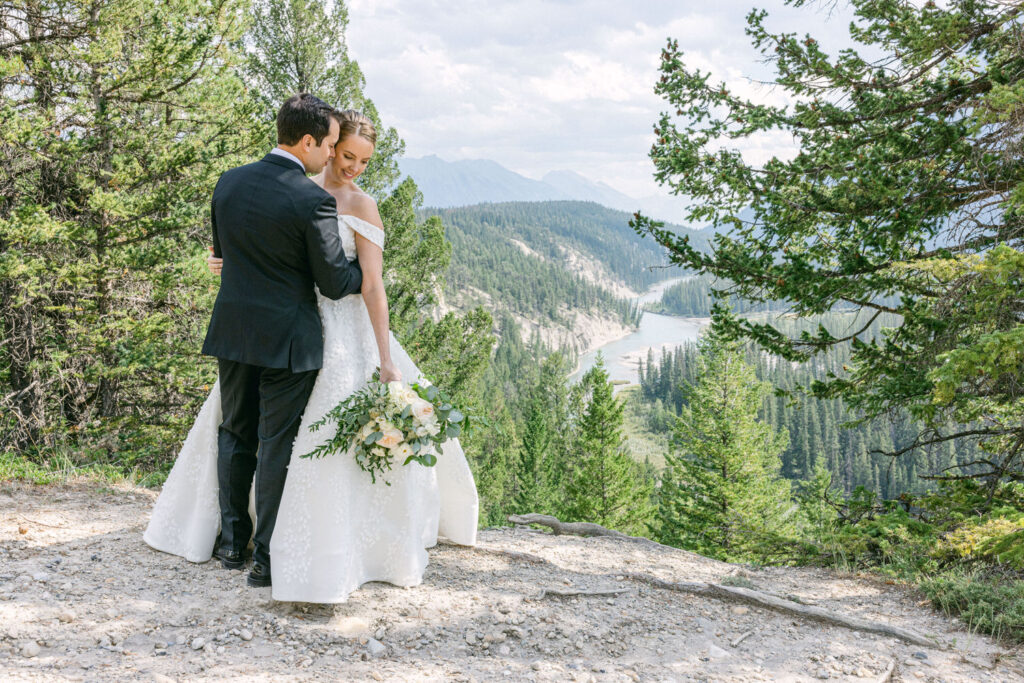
x,y
160,678
380,633
504,650
921,655
470,639
376,648
30,649
198,643
740,610
66,617
245,634
350,626
376,676
536,666
715,652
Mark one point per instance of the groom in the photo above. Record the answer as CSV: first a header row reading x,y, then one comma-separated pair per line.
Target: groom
x,y
277,232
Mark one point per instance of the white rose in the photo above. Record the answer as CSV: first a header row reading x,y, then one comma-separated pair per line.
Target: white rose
x,y
403,450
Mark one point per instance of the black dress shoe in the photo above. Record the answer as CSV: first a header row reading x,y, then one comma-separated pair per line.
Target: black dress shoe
x,y
259,576
230,559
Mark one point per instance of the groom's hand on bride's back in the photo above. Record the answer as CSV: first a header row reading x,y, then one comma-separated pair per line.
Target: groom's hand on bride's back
x,y
213,263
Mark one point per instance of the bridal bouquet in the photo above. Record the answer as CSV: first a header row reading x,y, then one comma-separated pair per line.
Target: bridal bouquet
x,y
383,421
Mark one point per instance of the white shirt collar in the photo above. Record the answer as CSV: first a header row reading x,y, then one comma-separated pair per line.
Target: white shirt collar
x,y
288,155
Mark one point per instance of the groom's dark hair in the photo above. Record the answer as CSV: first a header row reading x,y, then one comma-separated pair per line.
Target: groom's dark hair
x,y
300,115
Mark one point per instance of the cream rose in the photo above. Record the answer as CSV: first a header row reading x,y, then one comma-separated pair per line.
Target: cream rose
x,y
423,410
391,436
403,450
366,430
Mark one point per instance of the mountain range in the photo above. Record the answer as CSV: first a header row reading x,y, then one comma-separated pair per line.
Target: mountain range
x,y
447,184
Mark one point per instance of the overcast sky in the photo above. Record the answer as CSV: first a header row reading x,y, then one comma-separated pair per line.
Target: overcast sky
x,y
548,85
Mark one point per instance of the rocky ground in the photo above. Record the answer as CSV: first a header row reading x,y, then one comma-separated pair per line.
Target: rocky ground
x,y
83,599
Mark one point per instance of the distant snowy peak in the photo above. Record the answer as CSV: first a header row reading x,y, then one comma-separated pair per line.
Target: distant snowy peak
x,y
447,184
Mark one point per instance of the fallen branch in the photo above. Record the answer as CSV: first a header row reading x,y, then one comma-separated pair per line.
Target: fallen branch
x,y
743,637
32,521
887,674
777,604
731,593
563,593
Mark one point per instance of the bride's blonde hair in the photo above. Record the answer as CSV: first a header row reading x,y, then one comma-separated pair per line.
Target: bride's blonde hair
x,y
354,122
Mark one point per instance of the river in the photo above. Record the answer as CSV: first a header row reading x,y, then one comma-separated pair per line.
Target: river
x,y
654,332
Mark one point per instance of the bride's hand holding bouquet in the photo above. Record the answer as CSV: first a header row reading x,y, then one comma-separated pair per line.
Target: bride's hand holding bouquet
x,y
385,420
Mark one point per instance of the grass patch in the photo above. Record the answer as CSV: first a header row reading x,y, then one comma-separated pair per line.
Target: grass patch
x,y
60,468
737,581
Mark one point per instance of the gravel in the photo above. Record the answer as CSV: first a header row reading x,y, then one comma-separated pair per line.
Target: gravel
x,y
110,608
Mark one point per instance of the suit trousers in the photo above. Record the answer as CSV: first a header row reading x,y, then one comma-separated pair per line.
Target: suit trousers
x,y
262,410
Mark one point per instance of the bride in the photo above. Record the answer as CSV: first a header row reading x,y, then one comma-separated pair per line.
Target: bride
x,y
335,529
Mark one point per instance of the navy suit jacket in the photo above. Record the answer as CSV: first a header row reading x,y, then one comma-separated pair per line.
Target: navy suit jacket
x,y
277,232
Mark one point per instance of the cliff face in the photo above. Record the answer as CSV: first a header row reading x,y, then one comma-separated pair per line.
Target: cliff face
x,y
81,598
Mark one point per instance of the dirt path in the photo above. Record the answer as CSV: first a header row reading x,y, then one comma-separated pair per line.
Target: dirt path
x,y
82,598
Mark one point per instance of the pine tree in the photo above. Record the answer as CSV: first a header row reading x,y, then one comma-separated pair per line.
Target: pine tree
x,y
721,493
605,485
904,198
542,441
116,118
299,46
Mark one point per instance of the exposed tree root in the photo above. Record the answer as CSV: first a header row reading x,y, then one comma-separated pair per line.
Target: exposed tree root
x,y
570,593
729,593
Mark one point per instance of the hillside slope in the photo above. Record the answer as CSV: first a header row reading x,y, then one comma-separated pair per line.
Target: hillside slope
x,y
82,598
565,268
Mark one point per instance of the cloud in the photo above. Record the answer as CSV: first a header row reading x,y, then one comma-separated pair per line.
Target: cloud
x,y
541,85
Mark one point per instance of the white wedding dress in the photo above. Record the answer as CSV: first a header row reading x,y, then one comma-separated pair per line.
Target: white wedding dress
x,y
335,529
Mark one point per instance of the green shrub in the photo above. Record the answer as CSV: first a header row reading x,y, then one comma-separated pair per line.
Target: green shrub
x,y
988,605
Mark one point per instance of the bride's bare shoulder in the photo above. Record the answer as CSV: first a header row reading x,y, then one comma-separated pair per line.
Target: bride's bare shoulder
x,y
362,205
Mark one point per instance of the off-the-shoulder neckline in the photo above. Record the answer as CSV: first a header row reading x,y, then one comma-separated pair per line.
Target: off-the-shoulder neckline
x,y
361,220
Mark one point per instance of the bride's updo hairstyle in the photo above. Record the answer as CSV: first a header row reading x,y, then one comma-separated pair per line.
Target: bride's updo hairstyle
x,y
355,122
